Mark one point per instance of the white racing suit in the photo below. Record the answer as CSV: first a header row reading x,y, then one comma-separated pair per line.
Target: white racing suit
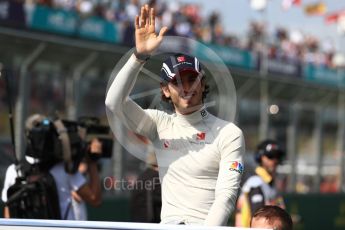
x,y
199,155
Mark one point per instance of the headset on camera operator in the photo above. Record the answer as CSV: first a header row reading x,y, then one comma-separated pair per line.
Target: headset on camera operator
x,y
52,147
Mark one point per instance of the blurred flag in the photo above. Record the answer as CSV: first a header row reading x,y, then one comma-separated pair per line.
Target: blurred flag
x,y
258,4
334,17
341,25
315,9
286,4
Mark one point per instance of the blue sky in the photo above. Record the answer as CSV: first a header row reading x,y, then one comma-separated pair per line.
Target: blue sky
x,y
236,15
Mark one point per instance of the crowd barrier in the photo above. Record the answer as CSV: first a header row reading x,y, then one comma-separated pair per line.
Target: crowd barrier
x,y
26,224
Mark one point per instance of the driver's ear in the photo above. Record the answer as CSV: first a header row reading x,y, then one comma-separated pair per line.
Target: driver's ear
x,y
165,90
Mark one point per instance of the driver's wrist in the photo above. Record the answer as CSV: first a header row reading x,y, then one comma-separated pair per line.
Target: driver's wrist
x,y
141,57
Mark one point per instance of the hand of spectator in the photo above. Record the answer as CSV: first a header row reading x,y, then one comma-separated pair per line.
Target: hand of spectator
x,y
76,197
146,40
95,149
95,146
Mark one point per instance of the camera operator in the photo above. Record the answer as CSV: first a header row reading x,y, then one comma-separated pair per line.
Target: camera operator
x,y
66,183
78,204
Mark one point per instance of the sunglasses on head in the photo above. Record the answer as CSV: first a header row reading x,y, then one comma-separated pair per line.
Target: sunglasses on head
x,y
274,155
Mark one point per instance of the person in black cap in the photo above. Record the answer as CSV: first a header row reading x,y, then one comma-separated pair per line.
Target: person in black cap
x,y
199,155
259,189
184,70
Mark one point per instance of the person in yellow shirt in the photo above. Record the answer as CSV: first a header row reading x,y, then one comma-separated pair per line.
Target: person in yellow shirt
x,y
259,189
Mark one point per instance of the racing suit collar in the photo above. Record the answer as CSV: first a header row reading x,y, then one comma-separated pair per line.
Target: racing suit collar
x,y
193,118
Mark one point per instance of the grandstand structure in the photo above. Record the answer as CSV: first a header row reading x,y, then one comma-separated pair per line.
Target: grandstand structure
x,y
301,105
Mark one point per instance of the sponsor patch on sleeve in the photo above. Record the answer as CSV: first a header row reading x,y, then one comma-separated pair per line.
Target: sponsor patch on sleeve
x,y
236,166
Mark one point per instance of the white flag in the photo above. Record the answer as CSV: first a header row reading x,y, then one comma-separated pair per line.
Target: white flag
x,y
258,4
341,25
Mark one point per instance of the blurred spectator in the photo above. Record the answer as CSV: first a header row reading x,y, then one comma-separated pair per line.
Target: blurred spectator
x,y
128,34
146,202
259,189
256,35
214,23
272,217
329,184
78,204
48,3
132,9
302,185
184,19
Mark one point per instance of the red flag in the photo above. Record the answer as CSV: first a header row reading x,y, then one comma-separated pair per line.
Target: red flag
x,y
334,17
286,4
297,2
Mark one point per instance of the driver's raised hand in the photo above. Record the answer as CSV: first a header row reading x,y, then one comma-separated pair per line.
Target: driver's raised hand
x,y
146,40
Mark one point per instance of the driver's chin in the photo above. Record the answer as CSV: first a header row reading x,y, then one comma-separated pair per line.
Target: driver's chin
x,y
189,108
